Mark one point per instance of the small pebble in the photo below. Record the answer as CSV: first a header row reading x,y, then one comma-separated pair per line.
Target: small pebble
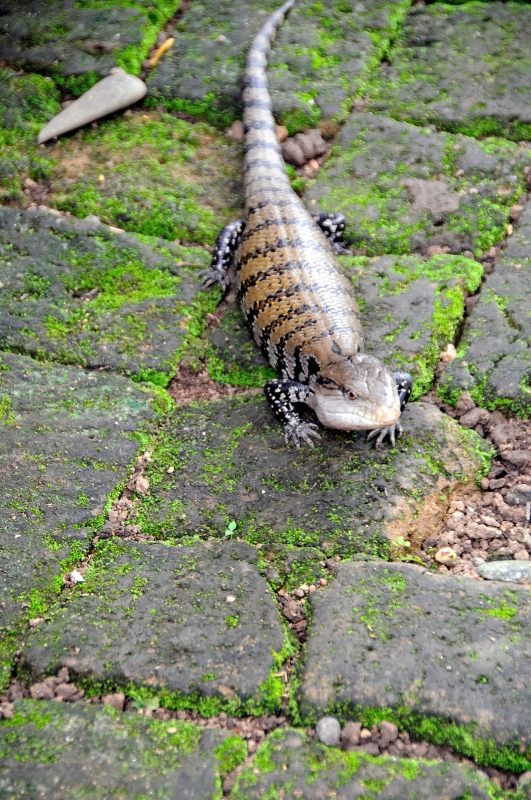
x,y
328,731
446,556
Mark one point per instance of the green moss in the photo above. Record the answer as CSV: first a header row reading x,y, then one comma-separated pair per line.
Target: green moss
x,y
451,279
464,739
27,102
168,178
231,754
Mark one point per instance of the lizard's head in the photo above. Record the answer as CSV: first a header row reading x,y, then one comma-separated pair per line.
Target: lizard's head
x,y
356,393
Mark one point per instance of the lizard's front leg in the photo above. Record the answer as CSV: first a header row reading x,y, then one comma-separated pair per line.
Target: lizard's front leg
x,y
282,395
404,384
333,226
227,243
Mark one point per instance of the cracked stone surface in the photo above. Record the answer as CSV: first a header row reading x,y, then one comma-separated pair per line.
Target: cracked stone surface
x,y
495,357
379,168
410,308
230,463
79,43
199,619
291,764
465,68
58,751
322,56
463,648
67,437
77,293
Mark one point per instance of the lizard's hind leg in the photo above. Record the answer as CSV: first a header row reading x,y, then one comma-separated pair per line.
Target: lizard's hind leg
x,y
227,243
333,226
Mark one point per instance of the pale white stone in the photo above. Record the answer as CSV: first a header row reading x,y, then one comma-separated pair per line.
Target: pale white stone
x,y
114,92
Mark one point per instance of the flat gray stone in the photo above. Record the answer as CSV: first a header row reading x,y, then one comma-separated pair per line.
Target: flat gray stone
x,y
111,94
393,635
291,766
77,44
404,188
465,68
495,351
411,309
67,438
77,293
230,463
322,56
510,571
193,620
57,750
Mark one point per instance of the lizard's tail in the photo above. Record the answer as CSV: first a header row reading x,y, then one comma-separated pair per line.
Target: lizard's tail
x,y
264,165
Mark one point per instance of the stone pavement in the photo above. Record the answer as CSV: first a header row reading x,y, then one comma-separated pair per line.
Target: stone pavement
x,y
183,596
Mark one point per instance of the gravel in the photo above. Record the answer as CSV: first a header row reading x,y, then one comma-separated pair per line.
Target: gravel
x,y
491,524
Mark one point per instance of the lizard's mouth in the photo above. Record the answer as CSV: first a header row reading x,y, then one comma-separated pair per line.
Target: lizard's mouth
x,y
341,414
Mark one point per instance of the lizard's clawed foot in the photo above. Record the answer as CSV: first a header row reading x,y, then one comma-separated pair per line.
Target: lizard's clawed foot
x,y
394,432
295,432
212,276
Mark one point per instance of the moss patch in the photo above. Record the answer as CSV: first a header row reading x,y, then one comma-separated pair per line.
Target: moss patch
x,y
464,67
379,165
169,597
76,293
322,57
230,464
78,43
55,745
66,447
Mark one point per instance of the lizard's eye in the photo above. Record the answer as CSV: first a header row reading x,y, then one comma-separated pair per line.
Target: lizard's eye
x,y
352,396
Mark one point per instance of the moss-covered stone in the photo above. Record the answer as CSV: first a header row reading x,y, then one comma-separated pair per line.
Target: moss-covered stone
x,y
203,630
58,750
403,188
494,357
67,438
230,463
290,765
77,42
323,56
447,658
464,67
77,293
163,176
27,102
411,308
147,172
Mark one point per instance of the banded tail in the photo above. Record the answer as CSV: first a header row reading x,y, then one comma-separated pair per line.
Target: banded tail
x,y
264,165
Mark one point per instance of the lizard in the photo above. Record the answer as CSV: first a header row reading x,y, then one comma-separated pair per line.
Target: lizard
x,y
296,300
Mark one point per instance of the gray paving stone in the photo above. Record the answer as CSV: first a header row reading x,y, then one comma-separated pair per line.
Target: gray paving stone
x,y
62,751
231,464
323,55
291,766
411,309
394,635
494,362
76,293
465,68
394,183
78,43
67,437
196,620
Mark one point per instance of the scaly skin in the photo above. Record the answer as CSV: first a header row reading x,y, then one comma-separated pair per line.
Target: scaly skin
x,y
296,300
